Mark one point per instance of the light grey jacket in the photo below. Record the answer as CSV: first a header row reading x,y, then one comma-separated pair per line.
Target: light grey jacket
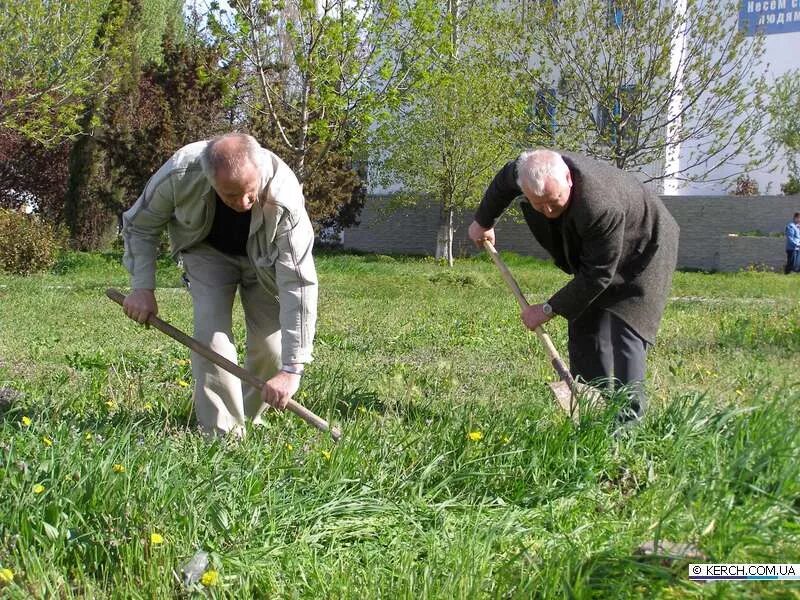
x,y
180,197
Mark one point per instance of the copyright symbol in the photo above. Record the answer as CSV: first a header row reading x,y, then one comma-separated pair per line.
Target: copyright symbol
x,y
697,569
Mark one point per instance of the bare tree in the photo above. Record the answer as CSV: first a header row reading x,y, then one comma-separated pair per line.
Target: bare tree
x,y
636,82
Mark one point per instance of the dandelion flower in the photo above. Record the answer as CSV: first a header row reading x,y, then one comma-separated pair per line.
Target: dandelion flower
x,y
38,488
156,539
6,576
26,421
88,437
109,404
326,454
210,578
289,447
183,383
118,468
47,441
475,436
148,407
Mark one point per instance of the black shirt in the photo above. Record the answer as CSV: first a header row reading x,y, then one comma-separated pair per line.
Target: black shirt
x,y
229,230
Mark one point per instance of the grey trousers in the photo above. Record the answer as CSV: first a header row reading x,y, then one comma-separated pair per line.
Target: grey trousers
x,y
603,347
221,401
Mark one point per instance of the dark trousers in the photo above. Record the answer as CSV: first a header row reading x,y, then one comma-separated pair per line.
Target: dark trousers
x,y
792,261
603,347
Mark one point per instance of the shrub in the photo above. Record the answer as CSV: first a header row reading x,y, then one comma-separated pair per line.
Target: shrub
x,y
791,187
27,244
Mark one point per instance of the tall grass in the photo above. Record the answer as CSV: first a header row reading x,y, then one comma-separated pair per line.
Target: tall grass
x,y
98,451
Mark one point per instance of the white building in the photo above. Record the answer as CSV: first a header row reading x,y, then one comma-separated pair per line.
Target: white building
x,y
779,21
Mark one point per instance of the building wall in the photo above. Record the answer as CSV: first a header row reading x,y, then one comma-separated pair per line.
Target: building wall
x,y
781,49
705,221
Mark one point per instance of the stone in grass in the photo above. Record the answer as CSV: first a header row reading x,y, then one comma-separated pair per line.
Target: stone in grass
x,y
7,397
193,570
670,552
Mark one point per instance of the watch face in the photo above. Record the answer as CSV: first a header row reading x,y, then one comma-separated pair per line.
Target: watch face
x,y
547,309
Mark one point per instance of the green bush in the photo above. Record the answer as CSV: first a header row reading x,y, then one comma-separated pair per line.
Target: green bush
x,y
27,244
791,187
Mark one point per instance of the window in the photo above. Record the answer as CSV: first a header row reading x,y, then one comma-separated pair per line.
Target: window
x,y
616,16
622,118
543,117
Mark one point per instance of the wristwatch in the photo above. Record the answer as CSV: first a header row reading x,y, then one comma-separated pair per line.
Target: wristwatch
x,y
293,369
547,309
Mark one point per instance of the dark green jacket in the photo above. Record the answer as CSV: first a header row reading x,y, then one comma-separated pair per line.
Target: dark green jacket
x,y
616,237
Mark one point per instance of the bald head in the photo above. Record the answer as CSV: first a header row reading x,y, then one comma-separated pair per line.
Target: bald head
x,y
535,167
546,181
230,153
231,163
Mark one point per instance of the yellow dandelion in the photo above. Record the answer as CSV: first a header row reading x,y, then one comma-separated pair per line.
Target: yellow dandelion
x,y
210,578
109,404
148,407
47,441
6,576
26,421
38,488
183,383
88,437
326,454
156,539
118,468
289,447
475,436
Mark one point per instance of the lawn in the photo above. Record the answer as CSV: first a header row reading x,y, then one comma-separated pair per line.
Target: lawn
x,y
457,476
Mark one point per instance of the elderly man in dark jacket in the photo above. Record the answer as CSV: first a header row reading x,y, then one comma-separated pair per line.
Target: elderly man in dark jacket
x,y
619,241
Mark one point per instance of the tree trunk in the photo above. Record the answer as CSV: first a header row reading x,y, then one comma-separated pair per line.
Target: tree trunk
x,y
672,161
444,236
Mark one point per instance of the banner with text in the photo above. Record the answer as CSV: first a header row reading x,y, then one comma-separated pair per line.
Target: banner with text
x,y
769,16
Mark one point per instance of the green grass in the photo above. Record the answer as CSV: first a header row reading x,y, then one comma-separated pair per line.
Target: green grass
x,y
410,358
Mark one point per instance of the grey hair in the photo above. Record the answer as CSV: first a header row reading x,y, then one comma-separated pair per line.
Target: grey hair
x,y
535,166
245,151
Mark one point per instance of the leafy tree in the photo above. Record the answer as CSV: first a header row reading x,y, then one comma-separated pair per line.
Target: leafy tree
x,y
32,173
315,74
50,58
87,220
632,81
98,184
175,102
784,124
464,118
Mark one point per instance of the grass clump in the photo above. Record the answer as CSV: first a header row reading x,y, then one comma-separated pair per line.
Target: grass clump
x,y
456,478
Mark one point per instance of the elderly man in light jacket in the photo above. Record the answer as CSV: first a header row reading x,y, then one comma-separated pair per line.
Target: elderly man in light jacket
x,y
235,214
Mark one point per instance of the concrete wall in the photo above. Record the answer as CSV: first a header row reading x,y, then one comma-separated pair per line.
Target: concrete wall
x,y
705,223
738,252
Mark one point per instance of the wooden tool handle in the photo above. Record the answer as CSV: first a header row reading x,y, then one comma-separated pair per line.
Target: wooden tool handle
x,y
219,360
550,349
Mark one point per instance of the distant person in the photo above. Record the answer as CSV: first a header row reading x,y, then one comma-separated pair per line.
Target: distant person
x,y
615,237
793,245
235,213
